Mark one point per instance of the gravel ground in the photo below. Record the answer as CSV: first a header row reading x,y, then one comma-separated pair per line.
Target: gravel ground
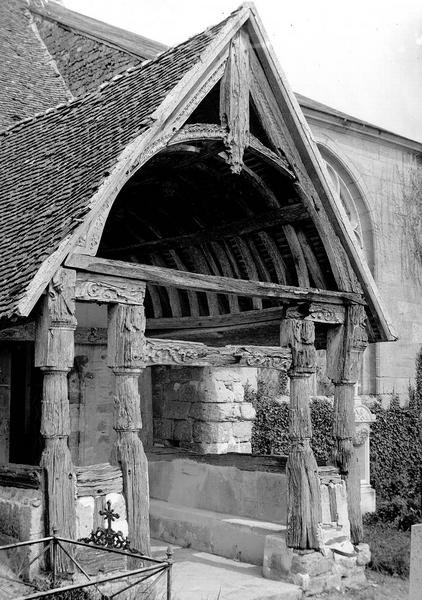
x,y
380,587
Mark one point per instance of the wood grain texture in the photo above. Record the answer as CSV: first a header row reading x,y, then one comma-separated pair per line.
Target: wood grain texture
x,y
97,480
99,288
234,99
54,337
54,353
311,261
345,347
126,349
304,496
298,256
200,282
126,337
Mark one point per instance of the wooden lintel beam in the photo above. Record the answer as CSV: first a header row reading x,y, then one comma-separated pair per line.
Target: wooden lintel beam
x,y
207,283
226,320
172,352
281,216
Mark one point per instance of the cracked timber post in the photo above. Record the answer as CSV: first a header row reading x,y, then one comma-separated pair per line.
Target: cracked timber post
x,y
345,346
126,358
54,353
304,496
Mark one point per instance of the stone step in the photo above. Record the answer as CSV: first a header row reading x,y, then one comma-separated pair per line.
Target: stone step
x,y
230,536
203,576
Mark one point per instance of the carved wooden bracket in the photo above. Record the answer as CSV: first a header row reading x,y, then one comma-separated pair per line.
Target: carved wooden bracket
x,y
317,312
345,345
102,288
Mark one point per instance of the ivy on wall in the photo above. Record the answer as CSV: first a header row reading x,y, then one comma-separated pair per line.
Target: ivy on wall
x,y
395,443
271,426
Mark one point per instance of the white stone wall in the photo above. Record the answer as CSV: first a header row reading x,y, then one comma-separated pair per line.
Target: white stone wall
x,y
382,171
203,409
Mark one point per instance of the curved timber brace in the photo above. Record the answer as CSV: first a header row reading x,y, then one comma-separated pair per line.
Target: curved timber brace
x,y
345,346
304,496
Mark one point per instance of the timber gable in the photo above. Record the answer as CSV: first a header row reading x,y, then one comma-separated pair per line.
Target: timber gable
x,y
234,58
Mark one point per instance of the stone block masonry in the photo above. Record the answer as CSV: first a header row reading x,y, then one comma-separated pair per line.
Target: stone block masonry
x,y
203,409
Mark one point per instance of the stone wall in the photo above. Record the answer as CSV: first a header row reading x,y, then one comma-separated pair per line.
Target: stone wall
x,y
203,409
381,174
21,519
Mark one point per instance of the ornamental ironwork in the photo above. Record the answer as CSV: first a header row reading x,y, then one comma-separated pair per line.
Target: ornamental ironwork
x,y
108,537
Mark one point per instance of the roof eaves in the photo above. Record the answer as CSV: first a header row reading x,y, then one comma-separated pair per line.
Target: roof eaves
x,y
325,114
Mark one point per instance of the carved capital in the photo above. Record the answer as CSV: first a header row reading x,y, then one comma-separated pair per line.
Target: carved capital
x,y
299,335
54,336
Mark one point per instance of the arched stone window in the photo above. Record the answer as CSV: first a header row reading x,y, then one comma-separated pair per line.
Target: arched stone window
x,y
348,185
347,201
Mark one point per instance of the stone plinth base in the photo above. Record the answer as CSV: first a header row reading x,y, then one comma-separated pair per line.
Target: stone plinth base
x,y
315,572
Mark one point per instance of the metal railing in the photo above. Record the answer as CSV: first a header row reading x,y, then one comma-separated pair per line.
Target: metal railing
x,y
151,570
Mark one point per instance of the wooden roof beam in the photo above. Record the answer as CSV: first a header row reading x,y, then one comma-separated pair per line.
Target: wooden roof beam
x,y
234,99
206,283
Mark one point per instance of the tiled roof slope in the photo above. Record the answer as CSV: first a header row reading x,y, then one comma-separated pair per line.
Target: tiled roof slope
x,y
121,39
84,62
29,79
53,163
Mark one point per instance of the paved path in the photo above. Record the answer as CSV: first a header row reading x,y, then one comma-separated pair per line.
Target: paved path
x,y
201,576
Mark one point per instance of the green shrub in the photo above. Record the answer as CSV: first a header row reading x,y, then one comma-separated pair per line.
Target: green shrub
x,y
270,434
390,549
396,458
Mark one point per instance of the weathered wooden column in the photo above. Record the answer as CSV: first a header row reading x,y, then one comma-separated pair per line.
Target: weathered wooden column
x,y
126,357
304,496
54,353
345,346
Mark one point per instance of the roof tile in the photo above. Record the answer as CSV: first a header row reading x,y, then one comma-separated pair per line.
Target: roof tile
x,y
53,163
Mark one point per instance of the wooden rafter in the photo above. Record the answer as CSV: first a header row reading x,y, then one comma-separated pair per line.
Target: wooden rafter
x,y
284,215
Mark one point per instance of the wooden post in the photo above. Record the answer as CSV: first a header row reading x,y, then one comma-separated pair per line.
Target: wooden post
x,y
126,357
54,352
345,346
304,496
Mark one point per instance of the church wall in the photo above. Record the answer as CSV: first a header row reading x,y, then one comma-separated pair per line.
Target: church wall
x,y
385,176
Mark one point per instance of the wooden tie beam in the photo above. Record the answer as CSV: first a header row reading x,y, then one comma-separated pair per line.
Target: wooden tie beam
x,y
207,283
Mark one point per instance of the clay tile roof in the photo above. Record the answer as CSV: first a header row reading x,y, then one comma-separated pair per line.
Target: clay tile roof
x,y
29,79
53,163
89,52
